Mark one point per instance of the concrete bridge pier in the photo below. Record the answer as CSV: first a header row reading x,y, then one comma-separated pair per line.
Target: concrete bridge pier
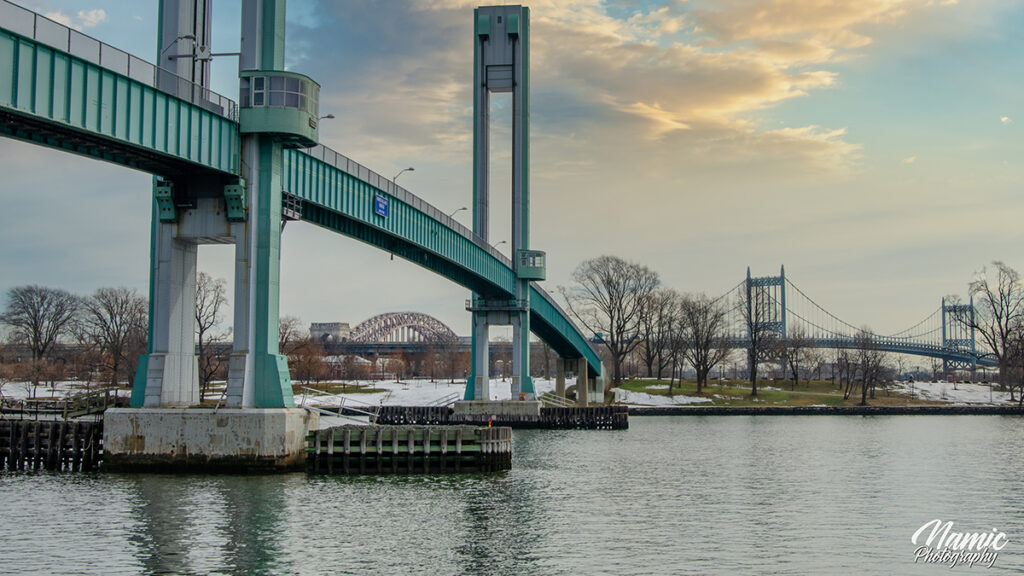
x,y
259,428
479,385
560,377
170,371
582,382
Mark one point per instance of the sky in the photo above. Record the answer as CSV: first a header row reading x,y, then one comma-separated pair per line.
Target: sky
x,y
873,148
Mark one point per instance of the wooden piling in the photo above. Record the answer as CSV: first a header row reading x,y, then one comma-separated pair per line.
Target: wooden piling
x,y
410,449
49,445
573,417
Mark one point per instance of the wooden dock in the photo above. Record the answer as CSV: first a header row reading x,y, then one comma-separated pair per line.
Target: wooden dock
x,y
77,446
571,418
50,445
409,449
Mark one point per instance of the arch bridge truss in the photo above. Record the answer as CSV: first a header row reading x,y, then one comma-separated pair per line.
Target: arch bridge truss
x,y
402,327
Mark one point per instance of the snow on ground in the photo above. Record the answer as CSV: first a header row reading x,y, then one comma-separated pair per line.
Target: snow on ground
x,y
425,392
23,390
632,398
412,393
945,391
404,393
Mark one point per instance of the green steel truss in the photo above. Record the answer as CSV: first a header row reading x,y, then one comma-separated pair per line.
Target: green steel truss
x,y
56,99
341,195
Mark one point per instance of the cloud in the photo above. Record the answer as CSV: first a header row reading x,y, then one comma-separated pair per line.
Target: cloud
x,y
83,19
648,73
910,159
830,22
1006,120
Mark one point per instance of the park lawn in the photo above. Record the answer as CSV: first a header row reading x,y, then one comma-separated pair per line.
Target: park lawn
x,y
771,393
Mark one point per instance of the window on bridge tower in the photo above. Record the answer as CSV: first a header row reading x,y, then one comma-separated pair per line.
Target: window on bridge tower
x,y
279,92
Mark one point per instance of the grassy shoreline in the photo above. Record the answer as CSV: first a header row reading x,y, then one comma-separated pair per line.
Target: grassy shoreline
x,y
774,393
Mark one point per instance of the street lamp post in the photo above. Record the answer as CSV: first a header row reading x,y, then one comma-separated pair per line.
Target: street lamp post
x,y
456,211
402,171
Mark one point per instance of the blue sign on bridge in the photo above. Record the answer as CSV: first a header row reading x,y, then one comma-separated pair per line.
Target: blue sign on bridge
x,y
380,205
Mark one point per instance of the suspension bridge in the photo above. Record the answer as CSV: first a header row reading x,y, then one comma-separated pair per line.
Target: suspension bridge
x,y
780,308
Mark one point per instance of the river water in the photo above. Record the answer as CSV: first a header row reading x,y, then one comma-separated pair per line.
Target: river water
x,y
671,495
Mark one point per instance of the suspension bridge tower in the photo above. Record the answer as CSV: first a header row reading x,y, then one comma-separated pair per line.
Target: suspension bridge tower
x,y
958,334
766,303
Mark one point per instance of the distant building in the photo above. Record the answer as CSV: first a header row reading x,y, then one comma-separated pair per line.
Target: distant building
x,y
330,332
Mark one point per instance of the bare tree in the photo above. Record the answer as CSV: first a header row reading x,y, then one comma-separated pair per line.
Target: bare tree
x,y
871,363
608,299
211,297
795,349
38,316
676,352
6,372
656,318
113,321
815,360
702,326
1014,363
998,308
290,332
846,367
306,361
901,365
453,357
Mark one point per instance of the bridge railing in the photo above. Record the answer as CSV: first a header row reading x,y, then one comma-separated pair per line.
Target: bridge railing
x,y
56,35
349,166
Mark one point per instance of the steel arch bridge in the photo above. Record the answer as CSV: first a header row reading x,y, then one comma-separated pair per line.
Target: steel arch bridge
x,y
402,327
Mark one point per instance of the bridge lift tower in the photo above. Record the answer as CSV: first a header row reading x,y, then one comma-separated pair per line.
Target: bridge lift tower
x,y
502,64
259,425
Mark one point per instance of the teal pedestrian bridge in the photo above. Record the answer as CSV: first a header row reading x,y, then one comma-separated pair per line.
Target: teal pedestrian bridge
x,y
64,90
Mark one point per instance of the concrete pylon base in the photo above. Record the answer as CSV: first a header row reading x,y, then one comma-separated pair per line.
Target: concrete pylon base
x,y
206,440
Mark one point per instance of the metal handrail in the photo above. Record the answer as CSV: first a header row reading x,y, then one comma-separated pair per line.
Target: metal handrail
x,y
353,168
446,400
349,166
373,415
223,394
32,25
555,400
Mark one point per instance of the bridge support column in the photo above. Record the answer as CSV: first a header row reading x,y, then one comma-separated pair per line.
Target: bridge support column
x,y
478,387
560,377
258,374
522,383
582,382
169,374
